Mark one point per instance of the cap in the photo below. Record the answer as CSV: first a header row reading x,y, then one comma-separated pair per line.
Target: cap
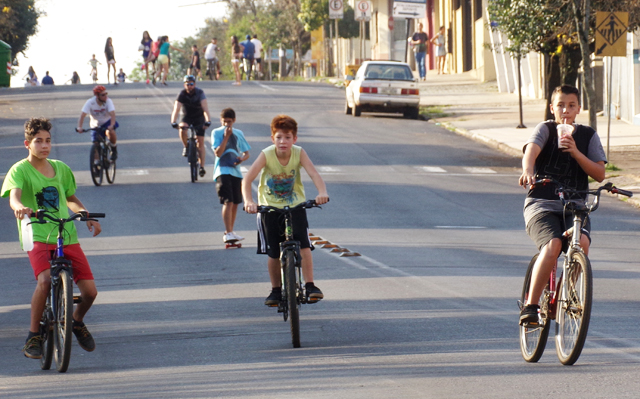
x,y
248,36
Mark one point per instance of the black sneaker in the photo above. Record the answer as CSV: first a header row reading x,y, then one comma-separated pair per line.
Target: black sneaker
x,y
85,340
529,316
184,152
274,298
33,347
202,172
313,293
114,153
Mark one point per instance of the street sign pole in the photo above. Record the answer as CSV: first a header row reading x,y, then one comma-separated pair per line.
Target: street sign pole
x,y
609,106
337,51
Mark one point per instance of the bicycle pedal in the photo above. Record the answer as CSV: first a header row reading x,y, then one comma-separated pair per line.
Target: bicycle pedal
x,y
313,300
77,299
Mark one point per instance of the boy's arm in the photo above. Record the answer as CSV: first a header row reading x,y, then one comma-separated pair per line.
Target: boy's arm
x,y
247,195
19,210
245,155
595,170
305,161
219,150
531,152
76,206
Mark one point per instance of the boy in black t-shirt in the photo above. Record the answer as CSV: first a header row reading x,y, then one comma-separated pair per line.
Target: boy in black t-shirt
x,y
571,160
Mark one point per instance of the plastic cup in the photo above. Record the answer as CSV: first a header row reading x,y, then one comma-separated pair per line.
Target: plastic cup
x,y
563,129
27,233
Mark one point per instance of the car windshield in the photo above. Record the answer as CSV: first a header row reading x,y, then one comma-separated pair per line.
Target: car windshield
x,y
388,72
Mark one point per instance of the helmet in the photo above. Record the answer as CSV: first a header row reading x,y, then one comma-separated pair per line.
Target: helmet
x,y
189,78
99,89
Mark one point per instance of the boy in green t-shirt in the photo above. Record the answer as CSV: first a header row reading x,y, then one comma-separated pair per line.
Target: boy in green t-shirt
x,y
281,185
40,183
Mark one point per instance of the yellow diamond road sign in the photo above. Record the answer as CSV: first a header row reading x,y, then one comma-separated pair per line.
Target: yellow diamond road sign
x,y
611,33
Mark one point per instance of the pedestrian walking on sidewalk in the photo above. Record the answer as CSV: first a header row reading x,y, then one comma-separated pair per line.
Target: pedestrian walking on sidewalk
x,y
441,50
420,40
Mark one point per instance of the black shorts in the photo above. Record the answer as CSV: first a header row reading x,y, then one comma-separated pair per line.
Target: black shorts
x,y
271,231
197,122
229,189
548,225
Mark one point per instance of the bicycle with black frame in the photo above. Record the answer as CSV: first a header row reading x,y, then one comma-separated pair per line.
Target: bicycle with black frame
x,y
100,162
56,323
293,294
191,149
567,297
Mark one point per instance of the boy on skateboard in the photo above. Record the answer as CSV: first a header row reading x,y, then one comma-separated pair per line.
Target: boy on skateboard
x,y
231,149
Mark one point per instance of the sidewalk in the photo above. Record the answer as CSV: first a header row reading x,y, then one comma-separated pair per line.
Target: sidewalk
x,y
477,110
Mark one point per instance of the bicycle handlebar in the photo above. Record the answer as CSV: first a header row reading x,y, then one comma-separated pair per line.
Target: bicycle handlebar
x,y
306,204
83,216
596,192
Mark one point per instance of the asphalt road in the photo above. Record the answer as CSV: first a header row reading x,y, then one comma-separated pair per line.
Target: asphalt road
x,y
427,311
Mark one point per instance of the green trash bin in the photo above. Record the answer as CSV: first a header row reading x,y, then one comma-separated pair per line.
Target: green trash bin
x,y
5,64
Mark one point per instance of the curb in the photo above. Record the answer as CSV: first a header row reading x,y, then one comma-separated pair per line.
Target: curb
x,y
489,142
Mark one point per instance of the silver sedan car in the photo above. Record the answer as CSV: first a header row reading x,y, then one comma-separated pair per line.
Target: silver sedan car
x,y
383,86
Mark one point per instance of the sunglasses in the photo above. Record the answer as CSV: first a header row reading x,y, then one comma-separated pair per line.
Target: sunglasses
x,y
190,84
103,94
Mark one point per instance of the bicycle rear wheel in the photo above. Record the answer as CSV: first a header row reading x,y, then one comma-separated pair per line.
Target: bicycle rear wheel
x,y
109,166
47,338
63,326
292,298
95,165
574,311
192,157
534,339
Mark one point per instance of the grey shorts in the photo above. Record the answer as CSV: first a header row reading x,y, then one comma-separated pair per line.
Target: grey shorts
x,y
549,225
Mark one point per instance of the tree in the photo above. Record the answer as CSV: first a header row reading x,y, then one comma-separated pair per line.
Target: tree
x,y
18,22
563,31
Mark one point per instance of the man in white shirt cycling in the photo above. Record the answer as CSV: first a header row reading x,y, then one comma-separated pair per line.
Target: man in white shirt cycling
x,y
211,55
257,54
102,113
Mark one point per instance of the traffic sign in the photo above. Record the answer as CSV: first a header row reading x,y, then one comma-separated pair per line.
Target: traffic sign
x,y
611,33
336,9
409,9
363,10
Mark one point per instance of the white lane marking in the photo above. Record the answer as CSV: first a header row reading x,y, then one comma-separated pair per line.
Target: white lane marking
x,y
460,227
328,169
243,169
265,86
479,170
431,169
133,172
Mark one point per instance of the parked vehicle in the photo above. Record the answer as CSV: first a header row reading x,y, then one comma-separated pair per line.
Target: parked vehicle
x,y
383,86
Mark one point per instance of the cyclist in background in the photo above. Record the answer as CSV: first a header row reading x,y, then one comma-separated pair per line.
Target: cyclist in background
x,y
103,114
211,55
38,182
195,111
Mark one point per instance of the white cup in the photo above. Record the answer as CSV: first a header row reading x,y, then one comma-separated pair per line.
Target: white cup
x,y
563,129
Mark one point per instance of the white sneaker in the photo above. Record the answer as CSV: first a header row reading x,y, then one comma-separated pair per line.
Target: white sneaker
x,y
236,237
228,237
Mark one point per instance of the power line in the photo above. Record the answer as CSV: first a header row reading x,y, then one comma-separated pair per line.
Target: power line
x,y
206,2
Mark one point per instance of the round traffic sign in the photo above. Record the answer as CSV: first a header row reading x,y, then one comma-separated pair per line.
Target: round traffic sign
x,y
363,5
335,5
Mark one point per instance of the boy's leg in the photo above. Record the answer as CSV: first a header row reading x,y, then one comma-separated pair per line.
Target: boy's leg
x,y
229,212
273,265
39,299
542,269
88,292
307,264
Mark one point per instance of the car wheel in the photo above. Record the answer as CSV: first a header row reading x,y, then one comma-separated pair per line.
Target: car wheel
x,y
347,108
412,113
357,110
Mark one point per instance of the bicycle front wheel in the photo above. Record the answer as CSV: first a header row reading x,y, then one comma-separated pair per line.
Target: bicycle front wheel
x,y
534,339
63,326
574,309
109,165
47,338
192,157
95,165
292,297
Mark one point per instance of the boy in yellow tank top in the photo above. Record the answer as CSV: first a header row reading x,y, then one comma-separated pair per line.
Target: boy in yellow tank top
x,y
280,186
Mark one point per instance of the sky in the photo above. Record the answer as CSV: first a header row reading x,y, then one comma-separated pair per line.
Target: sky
x,y
73,30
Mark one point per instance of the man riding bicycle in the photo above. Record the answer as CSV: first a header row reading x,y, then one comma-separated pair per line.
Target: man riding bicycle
x,y
211,55
195,111
102,114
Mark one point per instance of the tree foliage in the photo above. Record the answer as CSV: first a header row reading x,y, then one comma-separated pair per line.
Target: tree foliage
x,y
18,22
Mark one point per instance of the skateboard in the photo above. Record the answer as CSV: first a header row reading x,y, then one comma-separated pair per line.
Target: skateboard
x,y
232,244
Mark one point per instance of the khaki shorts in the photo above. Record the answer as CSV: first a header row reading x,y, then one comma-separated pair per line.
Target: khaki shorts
x,y
163,59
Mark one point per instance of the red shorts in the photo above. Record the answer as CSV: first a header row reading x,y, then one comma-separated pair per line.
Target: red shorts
x,y
40,255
